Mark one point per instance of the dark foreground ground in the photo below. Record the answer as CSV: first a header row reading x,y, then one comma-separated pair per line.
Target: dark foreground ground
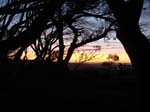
x,y
113,89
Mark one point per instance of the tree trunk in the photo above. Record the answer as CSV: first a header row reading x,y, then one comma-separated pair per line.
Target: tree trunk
x,y
61,43
27,37
69,54
137,46
19,54
134,42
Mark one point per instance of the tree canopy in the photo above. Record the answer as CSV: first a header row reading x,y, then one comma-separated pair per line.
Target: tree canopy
x,y
23,22
60,20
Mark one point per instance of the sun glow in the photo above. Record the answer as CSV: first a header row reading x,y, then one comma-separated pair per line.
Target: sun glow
x,y
92,56
102,54
100,57
93,53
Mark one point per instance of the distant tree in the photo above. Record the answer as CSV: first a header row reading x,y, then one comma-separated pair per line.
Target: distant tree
x,y
113,57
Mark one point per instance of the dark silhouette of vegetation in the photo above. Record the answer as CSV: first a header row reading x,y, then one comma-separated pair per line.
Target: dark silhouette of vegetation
x,y
27,16
113,57
68,18
137,46
55,27
40,15
129,33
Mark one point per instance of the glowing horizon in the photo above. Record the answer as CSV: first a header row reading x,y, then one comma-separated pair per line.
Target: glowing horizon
x,y
101,56
111,47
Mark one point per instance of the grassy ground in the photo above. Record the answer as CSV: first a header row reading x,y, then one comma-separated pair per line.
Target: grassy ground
x,y
108,87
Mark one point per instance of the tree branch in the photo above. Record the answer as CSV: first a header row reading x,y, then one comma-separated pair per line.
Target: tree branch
x,y
97,37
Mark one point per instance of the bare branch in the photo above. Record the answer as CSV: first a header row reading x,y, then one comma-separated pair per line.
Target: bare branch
x,y
94,38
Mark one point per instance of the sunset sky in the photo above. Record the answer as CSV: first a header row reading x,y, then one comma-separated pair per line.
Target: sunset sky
x,y
112,46
109,47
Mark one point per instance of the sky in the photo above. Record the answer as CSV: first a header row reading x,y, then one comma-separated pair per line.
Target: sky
x,y
114,46
111,46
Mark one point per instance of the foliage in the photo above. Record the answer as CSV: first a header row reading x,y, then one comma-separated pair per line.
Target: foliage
x,y
59,21
113,57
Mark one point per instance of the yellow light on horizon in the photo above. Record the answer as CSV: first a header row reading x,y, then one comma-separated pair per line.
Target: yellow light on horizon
x,y
101,56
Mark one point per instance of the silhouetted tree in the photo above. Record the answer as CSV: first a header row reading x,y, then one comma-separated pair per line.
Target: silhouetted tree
x,y
45,46
85,56
113,57
71,29
32,18
127,14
